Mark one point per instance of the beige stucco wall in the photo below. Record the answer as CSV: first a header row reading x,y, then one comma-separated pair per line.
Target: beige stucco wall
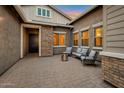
x,y
93,17
26,41
9,39
30,12
114,28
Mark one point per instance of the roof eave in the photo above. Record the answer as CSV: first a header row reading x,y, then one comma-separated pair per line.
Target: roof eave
x,y
65,15
20,12
50,24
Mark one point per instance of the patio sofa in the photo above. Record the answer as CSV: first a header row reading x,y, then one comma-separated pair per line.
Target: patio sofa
x,y
90,59
80,52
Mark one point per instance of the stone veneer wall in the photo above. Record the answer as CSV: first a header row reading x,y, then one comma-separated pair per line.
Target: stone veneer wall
x,y
113,70
47,41
58,50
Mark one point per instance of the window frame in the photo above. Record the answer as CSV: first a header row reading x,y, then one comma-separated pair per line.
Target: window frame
x,y
98,37
82,38
50,13
59,39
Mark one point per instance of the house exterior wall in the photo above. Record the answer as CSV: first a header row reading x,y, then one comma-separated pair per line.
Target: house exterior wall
x,y
86,22
9,39
59,50
30,12
114,29
46,41
94,17
113,55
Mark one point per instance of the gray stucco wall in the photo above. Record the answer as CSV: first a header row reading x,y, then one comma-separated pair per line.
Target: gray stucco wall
x,y
9,39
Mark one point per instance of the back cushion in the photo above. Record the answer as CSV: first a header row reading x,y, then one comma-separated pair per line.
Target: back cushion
x,y
92,53
84,51
79,49
68,49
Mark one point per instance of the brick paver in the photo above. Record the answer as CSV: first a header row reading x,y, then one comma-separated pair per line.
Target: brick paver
x,y
33,71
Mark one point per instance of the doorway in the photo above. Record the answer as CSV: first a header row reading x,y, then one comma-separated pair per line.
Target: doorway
x,y
33,43
30,39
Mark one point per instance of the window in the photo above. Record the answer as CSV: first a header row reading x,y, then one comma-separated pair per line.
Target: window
x,y
85,38
75,37
48,13
39,11
43,12
59,39
98,37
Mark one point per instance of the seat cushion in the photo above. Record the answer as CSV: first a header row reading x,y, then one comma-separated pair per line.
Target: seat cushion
x,y
89,58
82,57
78,54
74,53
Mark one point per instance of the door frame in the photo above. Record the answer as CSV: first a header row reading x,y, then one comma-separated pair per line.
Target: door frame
x,y
22,40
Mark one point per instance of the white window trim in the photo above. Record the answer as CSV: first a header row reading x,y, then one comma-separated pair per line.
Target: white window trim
x,y
60,46
75,46
58,32
85,28
85,46
98,48
112,54
76,31
41,11
97,25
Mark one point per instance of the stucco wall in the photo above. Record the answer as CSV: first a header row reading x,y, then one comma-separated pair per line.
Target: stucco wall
x,y
9,39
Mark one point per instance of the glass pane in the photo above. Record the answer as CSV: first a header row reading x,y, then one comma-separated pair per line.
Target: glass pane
x,y
56,39
61,39
39,11
48,13
98,42
85,38
43,12
98,32
75,36
85,42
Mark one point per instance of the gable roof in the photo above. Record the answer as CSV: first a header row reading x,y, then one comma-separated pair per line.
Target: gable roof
x,y
22,15
84,13
59,11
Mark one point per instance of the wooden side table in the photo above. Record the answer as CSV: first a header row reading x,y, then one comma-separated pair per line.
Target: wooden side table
x,y
64,56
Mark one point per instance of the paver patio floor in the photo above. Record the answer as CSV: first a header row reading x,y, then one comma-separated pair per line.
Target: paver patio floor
x,y
33,71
